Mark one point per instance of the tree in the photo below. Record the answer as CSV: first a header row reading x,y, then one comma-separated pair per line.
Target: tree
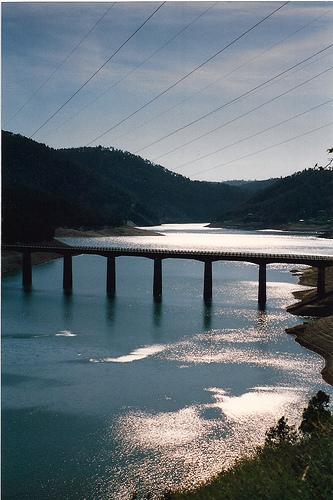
x,y
281,433
317,415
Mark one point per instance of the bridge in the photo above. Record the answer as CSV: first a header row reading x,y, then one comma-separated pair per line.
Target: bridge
x,y
158,255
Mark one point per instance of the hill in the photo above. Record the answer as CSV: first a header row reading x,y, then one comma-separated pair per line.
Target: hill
x,y
304,197
253,186
44,188
92,187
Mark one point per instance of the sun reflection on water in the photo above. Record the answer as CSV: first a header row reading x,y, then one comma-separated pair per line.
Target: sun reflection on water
x,y
198,236
217,388
259,401
188,445
136,355
236,347
185,447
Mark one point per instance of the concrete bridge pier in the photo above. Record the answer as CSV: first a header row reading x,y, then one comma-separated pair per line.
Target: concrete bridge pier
x,y
111,276
321,281
208,282
26,270
157,285
262,296
67,274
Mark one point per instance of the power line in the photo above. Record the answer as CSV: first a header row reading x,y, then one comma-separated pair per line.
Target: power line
x,y
257,133
232,101
187,75
257,107
244,114
60,64
265,149
182,102
136,67
97,71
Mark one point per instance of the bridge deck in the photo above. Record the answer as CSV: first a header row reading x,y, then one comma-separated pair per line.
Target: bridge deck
x,y
168,253
158,254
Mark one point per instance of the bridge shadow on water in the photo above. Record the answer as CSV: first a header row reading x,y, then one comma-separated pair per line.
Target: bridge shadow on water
x,y
159,309
157,313
67,307
110,309
207,314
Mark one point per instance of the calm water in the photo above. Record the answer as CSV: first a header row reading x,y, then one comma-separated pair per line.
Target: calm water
x,y
103,397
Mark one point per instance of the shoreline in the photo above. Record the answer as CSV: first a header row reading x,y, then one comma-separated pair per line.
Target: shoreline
x,y
324,231
11,261
317,336
317,333
104,232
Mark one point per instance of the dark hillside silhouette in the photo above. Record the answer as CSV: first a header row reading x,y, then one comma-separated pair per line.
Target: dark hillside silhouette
x,y
44,188
253,186
90,187
302,197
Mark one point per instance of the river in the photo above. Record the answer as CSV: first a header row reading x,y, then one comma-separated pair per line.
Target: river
x,y
103,397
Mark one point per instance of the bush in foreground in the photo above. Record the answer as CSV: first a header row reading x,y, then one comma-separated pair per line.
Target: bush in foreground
x,y
293,464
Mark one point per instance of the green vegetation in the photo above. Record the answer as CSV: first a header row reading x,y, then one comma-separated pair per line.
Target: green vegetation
x,y
92,187
291,465
304,198
252,186
44,188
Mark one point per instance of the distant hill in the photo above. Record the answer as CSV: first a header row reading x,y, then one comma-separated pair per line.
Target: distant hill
x,y
305,196
44,188
252,186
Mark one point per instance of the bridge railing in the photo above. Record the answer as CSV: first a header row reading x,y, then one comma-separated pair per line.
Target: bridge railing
x,y
172,251
158,254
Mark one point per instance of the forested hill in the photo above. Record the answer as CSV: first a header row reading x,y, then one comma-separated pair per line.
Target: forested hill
x,y
44,188
252,186
304,196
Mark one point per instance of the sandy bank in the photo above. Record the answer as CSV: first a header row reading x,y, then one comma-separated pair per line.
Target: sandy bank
x,y
316,334
309,304
106,231
11,262
324,231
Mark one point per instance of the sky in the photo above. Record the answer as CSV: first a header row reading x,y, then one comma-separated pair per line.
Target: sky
x,y
77,74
